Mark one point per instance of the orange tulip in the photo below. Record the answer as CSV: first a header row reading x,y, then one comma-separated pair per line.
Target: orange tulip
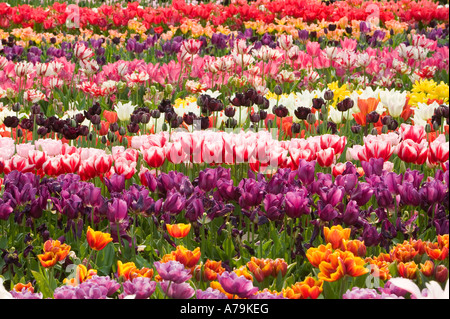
x,y
243,271
336,235
404,252
365,106
188,258
435,252
309,288
279,265
143,272
178,230
427,269
211,269
341,263
260,268
59,250
443,241
319,254
357,247
48,259
20,286
407,270
97,240
292,293
82,274
125,269
110,116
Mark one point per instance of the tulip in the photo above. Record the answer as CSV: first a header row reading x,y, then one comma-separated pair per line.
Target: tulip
x,y
326,157
173,271
178,230
177,290
154,156
97,240
412,152
336,235
236,285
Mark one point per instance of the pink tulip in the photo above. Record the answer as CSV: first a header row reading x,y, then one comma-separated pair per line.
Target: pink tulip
x,y
70,163
412,152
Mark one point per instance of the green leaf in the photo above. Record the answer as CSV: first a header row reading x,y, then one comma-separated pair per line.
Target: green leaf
x,y
43,284
228,248
105,259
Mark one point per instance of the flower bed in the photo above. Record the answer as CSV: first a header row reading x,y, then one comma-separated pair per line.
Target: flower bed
x,y
281,149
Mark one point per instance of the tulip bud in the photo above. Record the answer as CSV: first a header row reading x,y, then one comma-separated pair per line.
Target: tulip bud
x,y
384,129
427,128
441,273
90,136
114,127
153,90
16,107
19,132
111,137
104,140
145,118
278,90
122,131
168,89
311,118
328,95
436,126
262,114
356,129
374,131
156,114
295,128
124,141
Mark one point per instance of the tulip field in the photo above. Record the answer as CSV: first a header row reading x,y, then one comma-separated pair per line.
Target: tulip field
x,y
183,149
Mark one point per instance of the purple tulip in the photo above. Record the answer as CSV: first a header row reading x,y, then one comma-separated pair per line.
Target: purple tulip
x,y
371,236
433,192
415,177
194,208
306,171
373,167
65,292
117,210
174,203
348,182
384,196
226,190
105,281
236,285
252,193
297,204
273,206
5,209
327,212
177,291
409,194
115,184
210,293
332,195
26,294
351,213
362,194
267,295
207,179
90,290
142,287
173,271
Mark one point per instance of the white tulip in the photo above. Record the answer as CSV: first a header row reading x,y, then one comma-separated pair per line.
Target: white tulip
x,y
124,111
394,101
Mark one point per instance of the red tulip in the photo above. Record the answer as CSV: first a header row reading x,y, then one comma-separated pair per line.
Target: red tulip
x,y
124,167
37,158
438,150
335,141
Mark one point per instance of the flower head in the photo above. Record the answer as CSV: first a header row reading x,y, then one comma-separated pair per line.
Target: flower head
x,y
97,240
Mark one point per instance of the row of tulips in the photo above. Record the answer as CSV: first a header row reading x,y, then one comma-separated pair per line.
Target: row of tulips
x,y
82,67
295,214
62,17
259,150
